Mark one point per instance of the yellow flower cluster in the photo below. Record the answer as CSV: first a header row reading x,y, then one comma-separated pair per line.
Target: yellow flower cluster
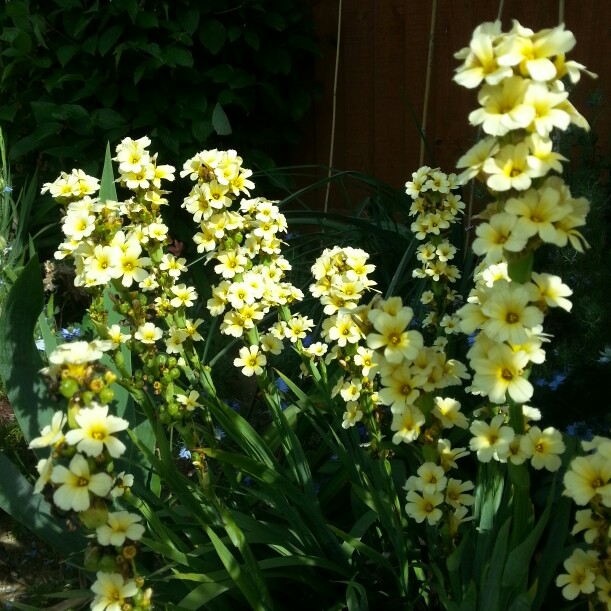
x,y
242,238
341,279
431,496
407,368
80,471
588,482
521,101
115,240
497,440
341,276
509,317
437,208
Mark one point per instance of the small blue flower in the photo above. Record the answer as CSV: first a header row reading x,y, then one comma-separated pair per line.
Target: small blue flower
x,y
281,385
184,454
580,430
40,344
7,189
219,433
234,404
307,341
70,333
557,380
247,481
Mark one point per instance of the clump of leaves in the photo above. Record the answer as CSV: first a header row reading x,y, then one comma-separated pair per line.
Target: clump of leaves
x,y
79,73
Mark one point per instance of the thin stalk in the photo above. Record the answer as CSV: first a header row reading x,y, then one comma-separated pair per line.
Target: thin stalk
x,y
334,107
427,83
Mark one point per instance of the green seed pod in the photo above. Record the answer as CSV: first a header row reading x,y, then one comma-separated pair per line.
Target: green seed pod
x,y
106,395
95,516
68,387
124,308
174,373
161,360
91,559
173,410
87,397
172,361
108,564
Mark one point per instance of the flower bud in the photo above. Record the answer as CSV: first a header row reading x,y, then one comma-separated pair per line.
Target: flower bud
x,y
91,560
107,564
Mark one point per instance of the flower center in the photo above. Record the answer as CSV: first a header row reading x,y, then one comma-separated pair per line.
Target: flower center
x,y
394,339
512,318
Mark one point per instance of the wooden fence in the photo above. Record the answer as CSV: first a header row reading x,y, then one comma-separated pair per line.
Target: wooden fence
x,y
384,48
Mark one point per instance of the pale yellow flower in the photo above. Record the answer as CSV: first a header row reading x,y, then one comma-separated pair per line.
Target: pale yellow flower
x,y
593,525
96,431
76,484
581,573
431,478
587,477
490,439
448,411
51,433
509,168
421,507
111,591
504,107
352,415
148,333
531,53
497,236
475,158
509,315
250,360
406,424
538,210
544,447
481,59
457,493
121,525
501,373
189,401
552,291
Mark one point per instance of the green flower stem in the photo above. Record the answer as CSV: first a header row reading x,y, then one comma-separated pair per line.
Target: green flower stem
x,y
516,416
520,267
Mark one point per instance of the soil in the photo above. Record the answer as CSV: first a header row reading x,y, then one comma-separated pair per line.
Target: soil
x,y
28,568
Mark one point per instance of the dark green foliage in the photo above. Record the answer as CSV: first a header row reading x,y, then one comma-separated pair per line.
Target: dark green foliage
x,y
79,73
